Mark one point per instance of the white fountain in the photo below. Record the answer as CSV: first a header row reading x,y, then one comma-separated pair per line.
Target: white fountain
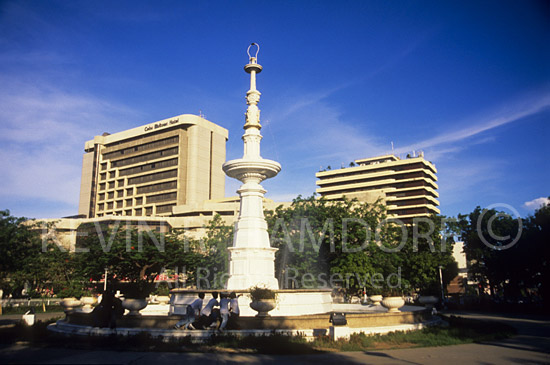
x,y
252,259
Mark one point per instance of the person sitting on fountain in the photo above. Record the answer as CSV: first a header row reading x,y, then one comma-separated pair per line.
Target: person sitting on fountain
x,y
108,310
193,312
234,310
224,310
209,316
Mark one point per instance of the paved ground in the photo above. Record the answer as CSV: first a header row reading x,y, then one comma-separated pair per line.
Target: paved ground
x,y
531,346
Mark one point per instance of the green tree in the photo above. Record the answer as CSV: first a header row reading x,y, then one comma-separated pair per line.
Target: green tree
x,y
488,258
132,255
215,256
509,270
358,242
28,259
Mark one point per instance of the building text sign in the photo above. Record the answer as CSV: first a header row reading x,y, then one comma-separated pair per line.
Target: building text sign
x,y
161,125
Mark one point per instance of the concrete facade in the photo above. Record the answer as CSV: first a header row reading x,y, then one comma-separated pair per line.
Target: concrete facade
x,y
407,186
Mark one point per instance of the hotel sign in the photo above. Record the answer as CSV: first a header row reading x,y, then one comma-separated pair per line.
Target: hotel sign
x,y
161,125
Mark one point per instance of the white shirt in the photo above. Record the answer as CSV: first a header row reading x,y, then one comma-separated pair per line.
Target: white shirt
x,y
223,306
208,309
197,306
235,306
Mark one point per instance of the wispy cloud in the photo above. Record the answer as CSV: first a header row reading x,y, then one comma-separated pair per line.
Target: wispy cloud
x,y
320,136
477,125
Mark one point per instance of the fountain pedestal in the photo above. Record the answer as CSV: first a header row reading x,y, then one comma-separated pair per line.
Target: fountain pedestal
x,y
252,266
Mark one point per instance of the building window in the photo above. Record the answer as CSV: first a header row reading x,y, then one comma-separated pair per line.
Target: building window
x,y
112,174
101,186
102,176
120,193
164,208
148,167
157,187
101,196
110,205
128,212
153,177
112,185
119,204
111,195
139,201
145,158
130,192
128,202
104,166
100,206
143,147
120,183
149,211
161,197
137,212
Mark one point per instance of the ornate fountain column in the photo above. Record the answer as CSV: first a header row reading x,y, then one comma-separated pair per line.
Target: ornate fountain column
x,y
252,259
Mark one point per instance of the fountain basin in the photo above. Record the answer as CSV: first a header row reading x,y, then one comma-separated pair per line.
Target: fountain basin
x,y
239,167
362,319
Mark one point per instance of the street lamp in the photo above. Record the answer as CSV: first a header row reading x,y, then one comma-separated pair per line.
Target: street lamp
x,y
441,283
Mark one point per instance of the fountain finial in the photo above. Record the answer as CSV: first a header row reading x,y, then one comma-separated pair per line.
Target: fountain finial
x,y
253,95
253,59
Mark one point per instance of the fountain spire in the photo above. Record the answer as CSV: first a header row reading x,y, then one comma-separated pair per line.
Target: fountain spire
x,y
252,259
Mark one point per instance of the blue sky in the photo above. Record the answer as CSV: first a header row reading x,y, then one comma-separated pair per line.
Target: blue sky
x,y
467,82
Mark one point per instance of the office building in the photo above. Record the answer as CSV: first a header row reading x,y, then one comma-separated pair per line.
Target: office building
x,y
406,186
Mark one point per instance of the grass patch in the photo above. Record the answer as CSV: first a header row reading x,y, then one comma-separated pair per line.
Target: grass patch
x,y
37,309
459,331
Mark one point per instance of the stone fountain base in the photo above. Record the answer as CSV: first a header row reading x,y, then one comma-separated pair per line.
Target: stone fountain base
x,y
361,319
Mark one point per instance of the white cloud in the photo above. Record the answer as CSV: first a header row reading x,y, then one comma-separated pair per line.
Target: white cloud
x,y
536,203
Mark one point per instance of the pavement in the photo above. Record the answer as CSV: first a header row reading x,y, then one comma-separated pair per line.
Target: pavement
x,y
530,346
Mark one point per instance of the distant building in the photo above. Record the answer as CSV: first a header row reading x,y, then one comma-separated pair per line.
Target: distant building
x,y
459,284
148,170
406,186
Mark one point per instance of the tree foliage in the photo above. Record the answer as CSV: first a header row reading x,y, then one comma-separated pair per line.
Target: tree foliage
x,y
508,270
322,239
29,261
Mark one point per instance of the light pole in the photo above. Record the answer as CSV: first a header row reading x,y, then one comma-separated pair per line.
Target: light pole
x,y
441,283
105,283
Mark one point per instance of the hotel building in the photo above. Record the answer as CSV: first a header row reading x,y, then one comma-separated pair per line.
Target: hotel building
x,y
407,186
148,170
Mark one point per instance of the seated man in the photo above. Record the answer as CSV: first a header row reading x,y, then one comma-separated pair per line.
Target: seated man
x,y
209,316
234,310
224,310
193,312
